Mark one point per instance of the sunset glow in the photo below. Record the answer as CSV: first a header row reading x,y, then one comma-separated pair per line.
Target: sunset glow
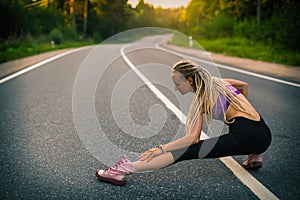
x,y
163,3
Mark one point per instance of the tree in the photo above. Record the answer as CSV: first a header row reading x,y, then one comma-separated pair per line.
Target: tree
x,y
85,16
110,16
144,15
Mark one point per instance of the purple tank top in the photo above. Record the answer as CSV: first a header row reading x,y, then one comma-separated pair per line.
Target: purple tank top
x,y
222,104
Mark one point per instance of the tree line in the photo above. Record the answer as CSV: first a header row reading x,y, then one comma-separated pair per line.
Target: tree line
x,y
99,19
272,21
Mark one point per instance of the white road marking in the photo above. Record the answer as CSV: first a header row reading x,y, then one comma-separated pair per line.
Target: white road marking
x,y
244,176
255,186
230,68
23,71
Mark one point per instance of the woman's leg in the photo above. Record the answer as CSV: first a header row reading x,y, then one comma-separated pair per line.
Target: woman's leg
x,y
225,145
158,162
245,137
213,147
117,173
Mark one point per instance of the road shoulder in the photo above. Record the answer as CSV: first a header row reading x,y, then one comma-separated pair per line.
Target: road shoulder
x,y
13,66
284,72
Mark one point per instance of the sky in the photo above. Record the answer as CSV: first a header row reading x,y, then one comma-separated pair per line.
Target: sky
x,y
163,3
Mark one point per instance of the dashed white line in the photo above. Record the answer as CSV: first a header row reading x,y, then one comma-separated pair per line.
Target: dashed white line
x,y
244,176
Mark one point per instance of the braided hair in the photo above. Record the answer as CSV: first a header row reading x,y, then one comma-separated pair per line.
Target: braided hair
x,y
207,91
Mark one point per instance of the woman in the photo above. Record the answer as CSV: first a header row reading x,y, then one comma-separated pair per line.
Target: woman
x,y
215,98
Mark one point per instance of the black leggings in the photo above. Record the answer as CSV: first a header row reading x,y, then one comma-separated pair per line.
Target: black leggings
x,y
245,137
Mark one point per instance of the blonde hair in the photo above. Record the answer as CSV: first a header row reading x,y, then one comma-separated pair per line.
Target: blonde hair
x,y
208,89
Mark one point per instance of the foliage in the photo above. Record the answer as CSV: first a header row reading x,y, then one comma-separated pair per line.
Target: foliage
x,y
56,36
108,17
220,26
245,48
12,18
19,48
281,28
277,24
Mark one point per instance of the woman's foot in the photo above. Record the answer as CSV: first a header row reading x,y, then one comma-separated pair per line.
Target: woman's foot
x,y
253,162
117,173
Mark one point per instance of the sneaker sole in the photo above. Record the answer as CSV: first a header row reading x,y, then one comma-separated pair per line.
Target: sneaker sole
x,y
253,166
110,180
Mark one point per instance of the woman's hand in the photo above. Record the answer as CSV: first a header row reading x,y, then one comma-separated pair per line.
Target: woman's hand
x,y
239,85
148,155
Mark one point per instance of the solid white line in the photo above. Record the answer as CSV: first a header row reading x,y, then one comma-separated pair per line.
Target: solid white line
x,y
156,91
23,71
244,176
247,179
230,68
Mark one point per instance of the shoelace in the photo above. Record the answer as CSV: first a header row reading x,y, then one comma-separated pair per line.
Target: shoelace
x,y
115,166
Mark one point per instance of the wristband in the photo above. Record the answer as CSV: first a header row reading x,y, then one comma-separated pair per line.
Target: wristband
x,y
161,148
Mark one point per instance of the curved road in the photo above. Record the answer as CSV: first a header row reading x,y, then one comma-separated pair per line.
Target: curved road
x,y
43,155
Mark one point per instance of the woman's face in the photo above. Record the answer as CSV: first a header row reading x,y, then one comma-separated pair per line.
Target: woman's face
x,y
181,84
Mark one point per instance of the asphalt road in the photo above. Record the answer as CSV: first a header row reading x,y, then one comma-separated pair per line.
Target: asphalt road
x,y
47,153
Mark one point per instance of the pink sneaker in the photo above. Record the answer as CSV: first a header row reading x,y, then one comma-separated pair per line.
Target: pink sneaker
x,y
117,173
253,162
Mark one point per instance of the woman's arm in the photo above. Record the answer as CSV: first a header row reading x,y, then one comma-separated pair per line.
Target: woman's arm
x,y
239,85
183,142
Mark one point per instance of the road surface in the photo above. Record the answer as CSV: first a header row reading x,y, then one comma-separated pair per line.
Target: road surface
x,y
43,155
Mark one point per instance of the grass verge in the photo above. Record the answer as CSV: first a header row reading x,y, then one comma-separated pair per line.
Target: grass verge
x,y
244,48
20,48
16,49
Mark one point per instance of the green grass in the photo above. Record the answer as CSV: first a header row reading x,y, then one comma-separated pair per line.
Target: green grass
x,y
16,49
241,47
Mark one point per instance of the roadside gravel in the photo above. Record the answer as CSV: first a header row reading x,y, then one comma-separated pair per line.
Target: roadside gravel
x,y
19,64
284,72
